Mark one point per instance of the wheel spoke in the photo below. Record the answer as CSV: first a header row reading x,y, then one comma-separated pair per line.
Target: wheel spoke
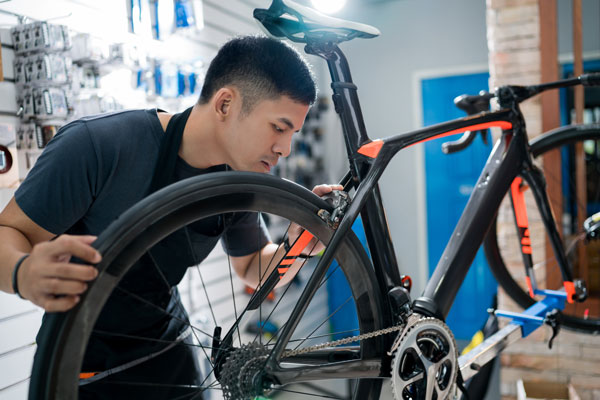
x,y
106,333
141,299
260,274
282,295
232,290
153,384
169,288
326,319
206,294
194,329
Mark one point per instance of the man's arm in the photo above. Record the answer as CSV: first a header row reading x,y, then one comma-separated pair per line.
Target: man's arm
x,y
251,267
45,277
261,263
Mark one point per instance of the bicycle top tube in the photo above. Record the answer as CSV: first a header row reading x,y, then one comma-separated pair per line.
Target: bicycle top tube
x,y
502,119
509,98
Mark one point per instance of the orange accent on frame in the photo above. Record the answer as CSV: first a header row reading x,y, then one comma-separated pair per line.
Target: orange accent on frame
x,y
86,375
287,261
477,127
526,249
371,149
526,241
282,270
570,289
526,232
300,244
519,203
528,280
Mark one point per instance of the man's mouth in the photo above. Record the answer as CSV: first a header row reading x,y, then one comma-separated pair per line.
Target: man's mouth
x,y
266,165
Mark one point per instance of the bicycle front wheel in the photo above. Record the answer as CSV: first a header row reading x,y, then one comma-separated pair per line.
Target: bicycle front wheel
x,y
217,301
571,157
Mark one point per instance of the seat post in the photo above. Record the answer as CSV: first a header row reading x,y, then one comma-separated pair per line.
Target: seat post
x,y
345,98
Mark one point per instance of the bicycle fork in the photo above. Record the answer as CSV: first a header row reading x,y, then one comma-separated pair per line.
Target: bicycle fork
x,y
576,289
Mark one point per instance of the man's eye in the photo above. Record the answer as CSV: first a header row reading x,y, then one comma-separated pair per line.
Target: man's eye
x,y
278,129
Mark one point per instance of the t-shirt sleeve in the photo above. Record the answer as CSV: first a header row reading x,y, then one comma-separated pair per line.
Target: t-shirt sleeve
x,y
62,184
246,235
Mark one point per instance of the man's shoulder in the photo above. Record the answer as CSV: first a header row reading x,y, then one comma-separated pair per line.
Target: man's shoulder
x,y
118,126
114,120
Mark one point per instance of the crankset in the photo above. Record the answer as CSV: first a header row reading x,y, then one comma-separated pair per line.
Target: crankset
x,y
425,361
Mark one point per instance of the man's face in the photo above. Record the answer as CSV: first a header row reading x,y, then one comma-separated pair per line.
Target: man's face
x,y
255,141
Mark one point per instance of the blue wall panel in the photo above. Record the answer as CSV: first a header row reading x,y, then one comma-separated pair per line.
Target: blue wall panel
x,y
450,180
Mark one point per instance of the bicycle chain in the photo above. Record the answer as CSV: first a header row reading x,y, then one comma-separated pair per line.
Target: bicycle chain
x,y
385,331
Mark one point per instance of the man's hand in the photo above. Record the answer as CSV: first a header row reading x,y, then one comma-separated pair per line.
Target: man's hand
x,y
295,230
48,279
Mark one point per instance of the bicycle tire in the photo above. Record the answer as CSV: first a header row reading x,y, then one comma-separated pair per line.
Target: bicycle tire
x,y
557,139
58,363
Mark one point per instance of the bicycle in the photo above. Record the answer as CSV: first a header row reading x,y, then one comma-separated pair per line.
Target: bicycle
x,y
396,336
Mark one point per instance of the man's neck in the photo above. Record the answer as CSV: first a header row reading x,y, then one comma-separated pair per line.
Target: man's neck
x,y
200,145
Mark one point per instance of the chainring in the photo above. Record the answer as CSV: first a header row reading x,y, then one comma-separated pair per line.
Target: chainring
x,y
425,362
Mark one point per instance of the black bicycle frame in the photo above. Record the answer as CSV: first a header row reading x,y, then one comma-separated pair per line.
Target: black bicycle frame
x,y
509,159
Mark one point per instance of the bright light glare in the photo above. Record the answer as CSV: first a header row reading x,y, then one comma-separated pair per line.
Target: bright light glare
x,y
328,6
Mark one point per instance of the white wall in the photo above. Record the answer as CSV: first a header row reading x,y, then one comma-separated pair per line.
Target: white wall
x,y
416,35
425,38
590,26
19,319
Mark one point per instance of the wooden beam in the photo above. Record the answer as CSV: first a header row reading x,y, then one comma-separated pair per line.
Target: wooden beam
x,y
1,66
550,120
580,168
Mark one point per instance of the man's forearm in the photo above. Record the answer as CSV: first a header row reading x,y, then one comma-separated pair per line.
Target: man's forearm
x,y
13,244
267,262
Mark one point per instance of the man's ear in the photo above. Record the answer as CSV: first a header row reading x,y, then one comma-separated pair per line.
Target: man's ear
x,y
222,102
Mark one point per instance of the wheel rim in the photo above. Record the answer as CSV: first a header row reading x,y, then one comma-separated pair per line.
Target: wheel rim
x,y
252,199
504,254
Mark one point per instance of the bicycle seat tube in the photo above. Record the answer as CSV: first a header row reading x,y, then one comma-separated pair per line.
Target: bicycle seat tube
x,y
347,105
508,158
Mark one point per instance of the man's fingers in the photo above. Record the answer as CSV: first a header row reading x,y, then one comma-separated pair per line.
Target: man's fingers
x,y
321,190
78,246
56,304
87,239
55,286
78,272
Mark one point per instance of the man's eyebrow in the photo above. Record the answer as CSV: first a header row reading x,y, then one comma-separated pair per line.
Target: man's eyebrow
x,y
286,121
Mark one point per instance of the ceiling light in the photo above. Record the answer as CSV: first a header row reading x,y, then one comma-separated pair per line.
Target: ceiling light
x,y
328,6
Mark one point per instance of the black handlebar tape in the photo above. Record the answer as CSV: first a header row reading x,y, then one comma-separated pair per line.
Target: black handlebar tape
x,y
590,79
460,144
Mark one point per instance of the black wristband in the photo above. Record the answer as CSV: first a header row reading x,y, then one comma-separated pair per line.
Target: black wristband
x,y
287,246
15,284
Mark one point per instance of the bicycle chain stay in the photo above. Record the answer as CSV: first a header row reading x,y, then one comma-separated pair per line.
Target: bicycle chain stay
x,y
369,335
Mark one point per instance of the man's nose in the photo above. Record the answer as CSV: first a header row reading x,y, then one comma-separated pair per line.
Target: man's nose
x,y
283,146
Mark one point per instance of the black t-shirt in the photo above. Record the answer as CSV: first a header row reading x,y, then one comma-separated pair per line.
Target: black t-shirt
x,y
91,172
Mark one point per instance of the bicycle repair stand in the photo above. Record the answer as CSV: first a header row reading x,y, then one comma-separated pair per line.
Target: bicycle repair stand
x,y
542,312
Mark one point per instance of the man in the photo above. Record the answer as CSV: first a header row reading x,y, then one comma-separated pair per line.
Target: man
x,y
256,94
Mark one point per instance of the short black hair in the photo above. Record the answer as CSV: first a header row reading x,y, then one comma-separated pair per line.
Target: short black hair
x,y
260,68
